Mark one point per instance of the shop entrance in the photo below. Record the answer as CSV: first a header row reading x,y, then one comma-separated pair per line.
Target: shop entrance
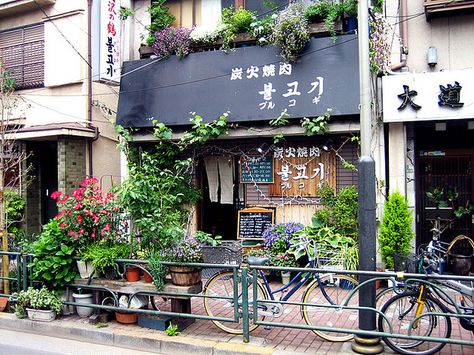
x,y
444,161
219,177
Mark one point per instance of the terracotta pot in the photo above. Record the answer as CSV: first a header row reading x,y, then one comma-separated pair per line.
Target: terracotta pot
x,y
3,303
185,276
147,277
126,318
132,274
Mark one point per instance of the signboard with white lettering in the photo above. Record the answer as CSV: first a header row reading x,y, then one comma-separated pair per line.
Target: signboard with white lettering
x,y
252,222
257,169
251,83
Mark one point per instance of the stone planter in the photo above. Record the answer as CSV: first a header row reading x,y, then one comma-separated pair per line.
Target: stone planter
x,y
41,315
185,276
83,298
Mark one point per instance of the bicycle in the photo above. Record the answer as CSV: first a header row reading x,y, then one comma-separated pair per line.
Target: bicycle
x,y
331,288
421,308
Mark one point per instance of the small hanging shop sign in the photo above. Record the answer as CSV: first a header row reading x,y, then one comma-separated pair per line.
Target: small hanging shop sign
x,y
257,170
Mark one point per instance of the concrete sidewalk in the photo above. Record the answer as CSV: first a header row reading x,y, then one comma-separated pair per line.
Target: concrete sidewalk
x,y
138,338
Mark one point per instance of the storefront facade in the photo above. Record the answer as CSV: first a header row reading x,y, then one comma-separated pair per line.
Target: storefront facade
x,y
260,162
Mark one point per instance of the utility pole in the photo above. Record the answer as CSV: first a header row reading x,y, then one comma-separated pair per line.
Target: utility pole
x,y
367,232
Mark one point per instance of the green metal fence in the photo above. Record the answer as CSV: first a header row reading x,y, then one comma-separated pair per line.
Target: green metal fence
x,y
246,305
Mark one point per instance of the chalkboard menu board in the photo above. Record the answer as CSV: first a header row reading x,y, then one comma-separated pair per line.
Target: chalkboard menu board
x,y
260,169
253,221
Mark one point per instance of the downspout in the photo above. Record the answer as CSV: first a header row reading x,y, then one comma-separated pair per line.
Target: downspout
x,y
89,81
404,35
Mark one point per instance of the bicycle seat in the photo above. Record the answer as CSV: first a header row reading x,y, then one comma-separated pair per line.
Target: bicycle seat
x,y
257,260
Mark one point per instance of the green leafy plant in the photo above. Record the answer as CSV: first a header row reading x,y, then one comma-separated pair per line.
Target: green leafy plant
x,y
290,32
316,125
103,255
325,10
338,210
36,299
52,263
172,330
125,12
282,260
281,120
160,18
208,239
395,234
157,271
14,207
239,20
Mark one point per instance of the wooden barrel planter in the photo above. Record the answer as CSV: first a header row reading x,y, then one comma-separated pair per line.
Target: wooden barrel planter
x,y
184,275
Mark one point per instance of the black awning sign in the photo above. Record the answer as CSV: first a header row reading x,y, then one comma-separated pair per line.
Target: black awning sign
x,y
250,83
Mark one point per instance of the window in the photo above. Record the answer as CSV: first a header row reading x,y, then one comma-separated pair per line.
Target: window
x,y
22,53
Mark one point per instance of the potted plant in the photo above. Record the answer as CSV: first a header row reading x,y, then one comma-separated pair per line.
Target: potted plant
x,y
290,32
103,257
283,260
186,249
83,298
395,234
41,305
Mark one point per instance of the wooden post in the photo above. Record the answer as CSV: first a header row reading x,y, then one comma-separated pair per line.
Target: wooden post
x,y
6,262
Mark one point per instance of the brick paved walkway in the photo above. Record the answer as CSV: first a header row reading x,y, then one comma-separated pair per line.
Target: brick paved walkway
x,y
299,340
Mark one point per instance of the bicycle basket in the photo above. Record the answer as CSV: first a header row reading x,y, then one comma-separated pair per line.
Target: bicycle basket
x,y
328,257
229,252
460,264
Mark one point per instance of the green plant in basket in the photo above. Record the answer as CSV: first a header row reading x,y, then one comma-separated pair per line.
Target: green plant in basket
x,y
283,260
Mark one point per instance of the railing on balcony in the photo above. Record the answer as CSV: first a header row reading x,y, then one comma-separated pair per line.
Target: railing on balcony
x,y
447,7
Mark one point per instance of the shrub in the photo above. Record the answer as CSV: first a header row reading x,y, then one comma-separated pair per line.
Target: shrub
x,y
160,18
53,264
396,232
239,20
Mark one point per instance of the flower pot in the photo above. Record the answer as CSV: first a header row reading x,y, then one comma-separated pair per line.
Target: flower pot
x,y
132,274
285,277
126,318
3,303
41,314
185,276
85,268
147,277
83,298
110,273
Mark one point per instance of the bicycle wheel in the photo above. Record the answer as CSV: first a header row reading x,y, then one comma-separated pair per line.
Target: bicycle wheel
x,y
222,285
337,288
400,312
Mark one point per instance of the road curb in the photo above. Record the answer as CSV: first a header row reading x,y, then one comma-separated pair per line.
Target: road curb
x,y
151,341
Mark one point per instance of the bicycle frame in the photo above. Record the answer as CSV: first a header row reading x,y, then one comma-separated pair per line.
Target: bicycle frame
x,y
299,280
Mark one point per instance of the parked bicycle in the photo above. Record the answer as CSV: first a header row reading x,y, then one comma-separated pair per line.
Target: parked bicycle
x,y
329,290
423,308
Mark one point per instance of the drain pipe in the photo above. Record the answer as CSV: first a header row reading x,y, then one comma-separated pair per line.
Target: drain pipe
x,y
89,82
404,35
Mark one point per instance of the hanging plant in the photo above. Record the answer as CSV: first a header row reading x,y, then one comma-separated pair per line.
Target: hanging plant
x,y
172,40
290,32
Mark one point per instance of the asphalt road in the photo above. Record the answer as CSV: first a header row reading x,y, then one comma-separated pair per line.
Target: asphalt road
x,y
21,343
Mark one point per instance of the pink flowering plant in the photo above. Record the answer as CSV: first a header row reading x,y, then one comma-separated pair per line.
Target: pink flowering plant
x,y
283,260
172,40
88,215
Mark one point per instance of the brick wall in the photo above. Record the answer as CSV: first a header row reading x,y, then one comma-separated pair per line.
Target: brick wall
x,y
71,163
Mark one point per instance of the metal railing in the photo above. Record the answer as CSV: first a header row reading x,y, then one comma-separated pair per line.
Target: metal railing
x,y
246,304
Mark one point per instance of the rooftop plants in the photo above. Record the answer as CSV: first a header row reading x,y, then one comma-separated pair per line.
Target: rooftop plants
x,y
172,40
160,19
290,32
